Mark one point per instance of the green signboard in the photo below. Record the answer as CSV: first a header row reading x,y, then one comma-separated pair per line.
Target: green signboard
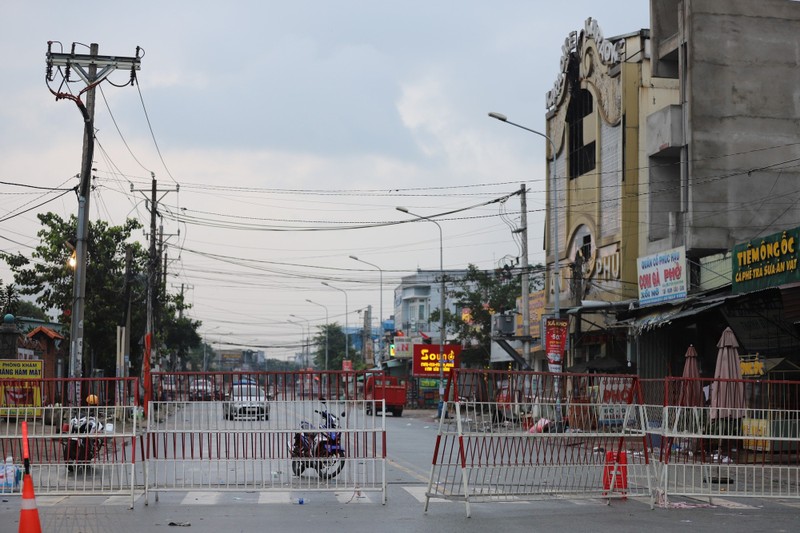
x,y
766,262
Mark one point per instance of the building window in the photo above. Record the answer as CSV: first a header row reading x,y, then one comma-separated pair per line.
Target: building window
x,y
582,155
421,315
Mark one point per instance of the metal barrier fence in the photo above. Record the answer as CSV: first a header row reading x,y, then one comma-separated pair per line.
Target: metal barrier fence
x,y
266,432
542,435
74,449
746,444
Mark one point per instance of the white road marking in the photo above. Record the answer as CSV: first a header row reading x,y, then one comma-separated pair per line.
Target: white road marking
x,y
353,497
201,498
275,497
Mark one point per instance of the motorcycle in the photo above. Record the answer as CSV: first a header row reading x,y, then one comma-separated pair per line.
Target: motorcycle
x,y
318,450
84,442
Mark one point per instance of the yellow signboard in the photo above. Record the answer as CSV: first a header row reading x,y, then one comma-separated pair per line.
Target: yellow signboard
x,y
20,386
756,427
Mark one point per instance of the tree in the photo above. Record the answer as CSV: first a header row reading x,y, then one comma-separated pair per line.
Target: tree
x,y
47,277
9,300
30,310
336,351
482,293
179,332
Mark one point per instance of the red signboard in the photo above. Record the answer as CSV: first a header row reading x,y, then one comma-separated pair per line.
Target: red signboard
x,y
555,342
347,365
426,359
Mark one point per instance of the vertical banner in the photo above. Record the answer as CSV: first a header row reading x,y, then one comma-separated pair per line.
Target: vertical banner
x,y
555,342
148,384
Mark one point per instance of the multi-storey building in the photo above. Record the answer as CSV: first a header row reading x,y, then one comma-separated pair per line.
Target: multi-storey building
x,y
680,141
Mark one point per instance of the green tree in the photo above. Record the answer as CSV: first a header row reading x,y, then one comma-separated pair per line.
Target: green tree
x,y
336,350
47,277
179,332
30,310
9,300
483,293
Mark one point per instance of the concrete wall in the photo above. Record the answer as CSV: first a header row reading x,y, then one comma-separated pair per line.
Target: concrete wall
x,y
743,93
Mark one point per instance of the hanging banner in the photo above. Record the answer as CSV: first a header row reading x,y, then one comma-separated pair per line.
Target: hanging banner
x,y
555,342
426,360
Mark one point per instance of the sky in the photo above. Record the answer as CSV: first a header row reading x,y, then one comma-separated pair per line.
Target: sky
x,y
285,134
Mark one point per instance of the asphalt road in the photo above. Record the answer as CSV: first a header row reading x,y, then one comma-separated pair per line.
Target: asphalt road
x,y
410,447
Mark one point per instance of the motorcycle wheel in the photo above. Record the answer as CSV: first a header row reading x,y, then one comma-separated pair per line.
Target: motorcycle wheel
x,y
330,466
298,467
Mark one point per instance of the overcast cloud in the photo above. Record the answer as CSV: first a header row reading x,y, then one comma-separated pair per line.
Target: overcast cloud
x,y
357,107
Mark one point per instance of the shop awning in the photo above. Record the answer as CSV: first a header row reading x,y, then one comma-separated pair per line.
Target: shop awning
x,y
664,317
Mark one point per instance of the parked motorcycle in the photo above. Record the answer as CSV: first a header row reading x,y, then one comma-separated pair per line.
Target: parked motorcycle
x,y
84,442
319,450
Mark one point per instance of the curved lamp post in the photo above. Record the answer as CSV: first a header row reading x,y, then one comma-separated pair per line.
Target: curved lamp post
x,y
308,335
441,305
326,331
346,337
302,332
556,267
380,313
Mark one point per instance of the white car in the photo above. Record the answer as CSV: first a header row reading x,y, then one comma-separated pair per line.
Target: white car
x,y
246,401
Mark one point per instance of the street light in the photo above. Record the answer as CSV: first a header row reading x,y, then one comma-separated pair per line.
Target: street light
x,y
308,335
302,334
346,338
326,331
380,313
556,268
441,305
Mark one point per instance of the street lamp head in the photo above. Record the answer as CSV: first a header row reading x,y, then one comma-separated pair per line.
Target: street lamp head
x,y
498,116
325,283
402,209
354,257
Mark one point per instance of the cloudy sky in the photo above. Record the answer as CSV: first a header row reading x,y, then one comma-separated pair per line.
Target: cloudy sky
x,y
294,130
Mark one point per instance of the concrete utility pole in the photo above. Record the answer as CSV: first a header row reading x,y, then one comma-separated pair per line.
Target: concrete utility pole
x,y
526,311
152,282
86,68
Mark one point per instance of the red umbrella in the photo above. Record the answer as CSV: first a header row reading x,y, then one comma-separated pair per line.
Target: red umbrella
x,y
691,392
727,397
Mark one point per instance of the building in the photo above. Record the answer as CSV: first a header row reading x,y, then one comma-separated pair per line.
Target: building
x,y
417,296
675,143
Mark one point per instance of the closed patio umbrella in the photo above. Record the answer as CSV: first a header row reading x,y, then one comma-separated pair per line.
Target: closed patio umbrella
x,y
691,391
727,393
727,397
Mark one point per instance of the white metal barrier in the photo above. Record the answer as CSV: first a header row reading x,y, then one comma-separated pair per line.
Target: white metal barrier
x,y
95,463
586,446
752,455
246,446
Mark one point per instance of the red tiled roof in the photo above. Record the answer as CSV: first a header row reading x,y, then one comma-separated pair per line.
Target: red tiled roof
x,y
46,331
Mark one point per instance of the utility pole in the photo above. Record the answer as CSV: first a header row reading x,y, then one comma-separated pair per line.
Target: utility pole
x,y
526,310
86,68
151,346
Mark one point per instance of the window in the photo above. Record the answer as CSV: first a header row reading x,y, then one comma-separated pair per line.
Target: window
x,y
582,157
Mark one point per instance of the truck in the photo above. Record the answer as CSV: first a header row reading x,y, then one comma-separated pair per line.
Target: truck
x,y
386,388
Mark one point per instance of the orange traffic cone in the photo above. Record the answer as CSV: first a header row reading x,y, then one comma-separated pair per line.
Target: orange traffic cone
x,y
29,515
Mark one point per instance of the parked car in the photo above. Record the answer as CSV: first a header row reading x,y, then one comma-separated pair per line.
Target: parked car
x,y
246,401
168,388
202,390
